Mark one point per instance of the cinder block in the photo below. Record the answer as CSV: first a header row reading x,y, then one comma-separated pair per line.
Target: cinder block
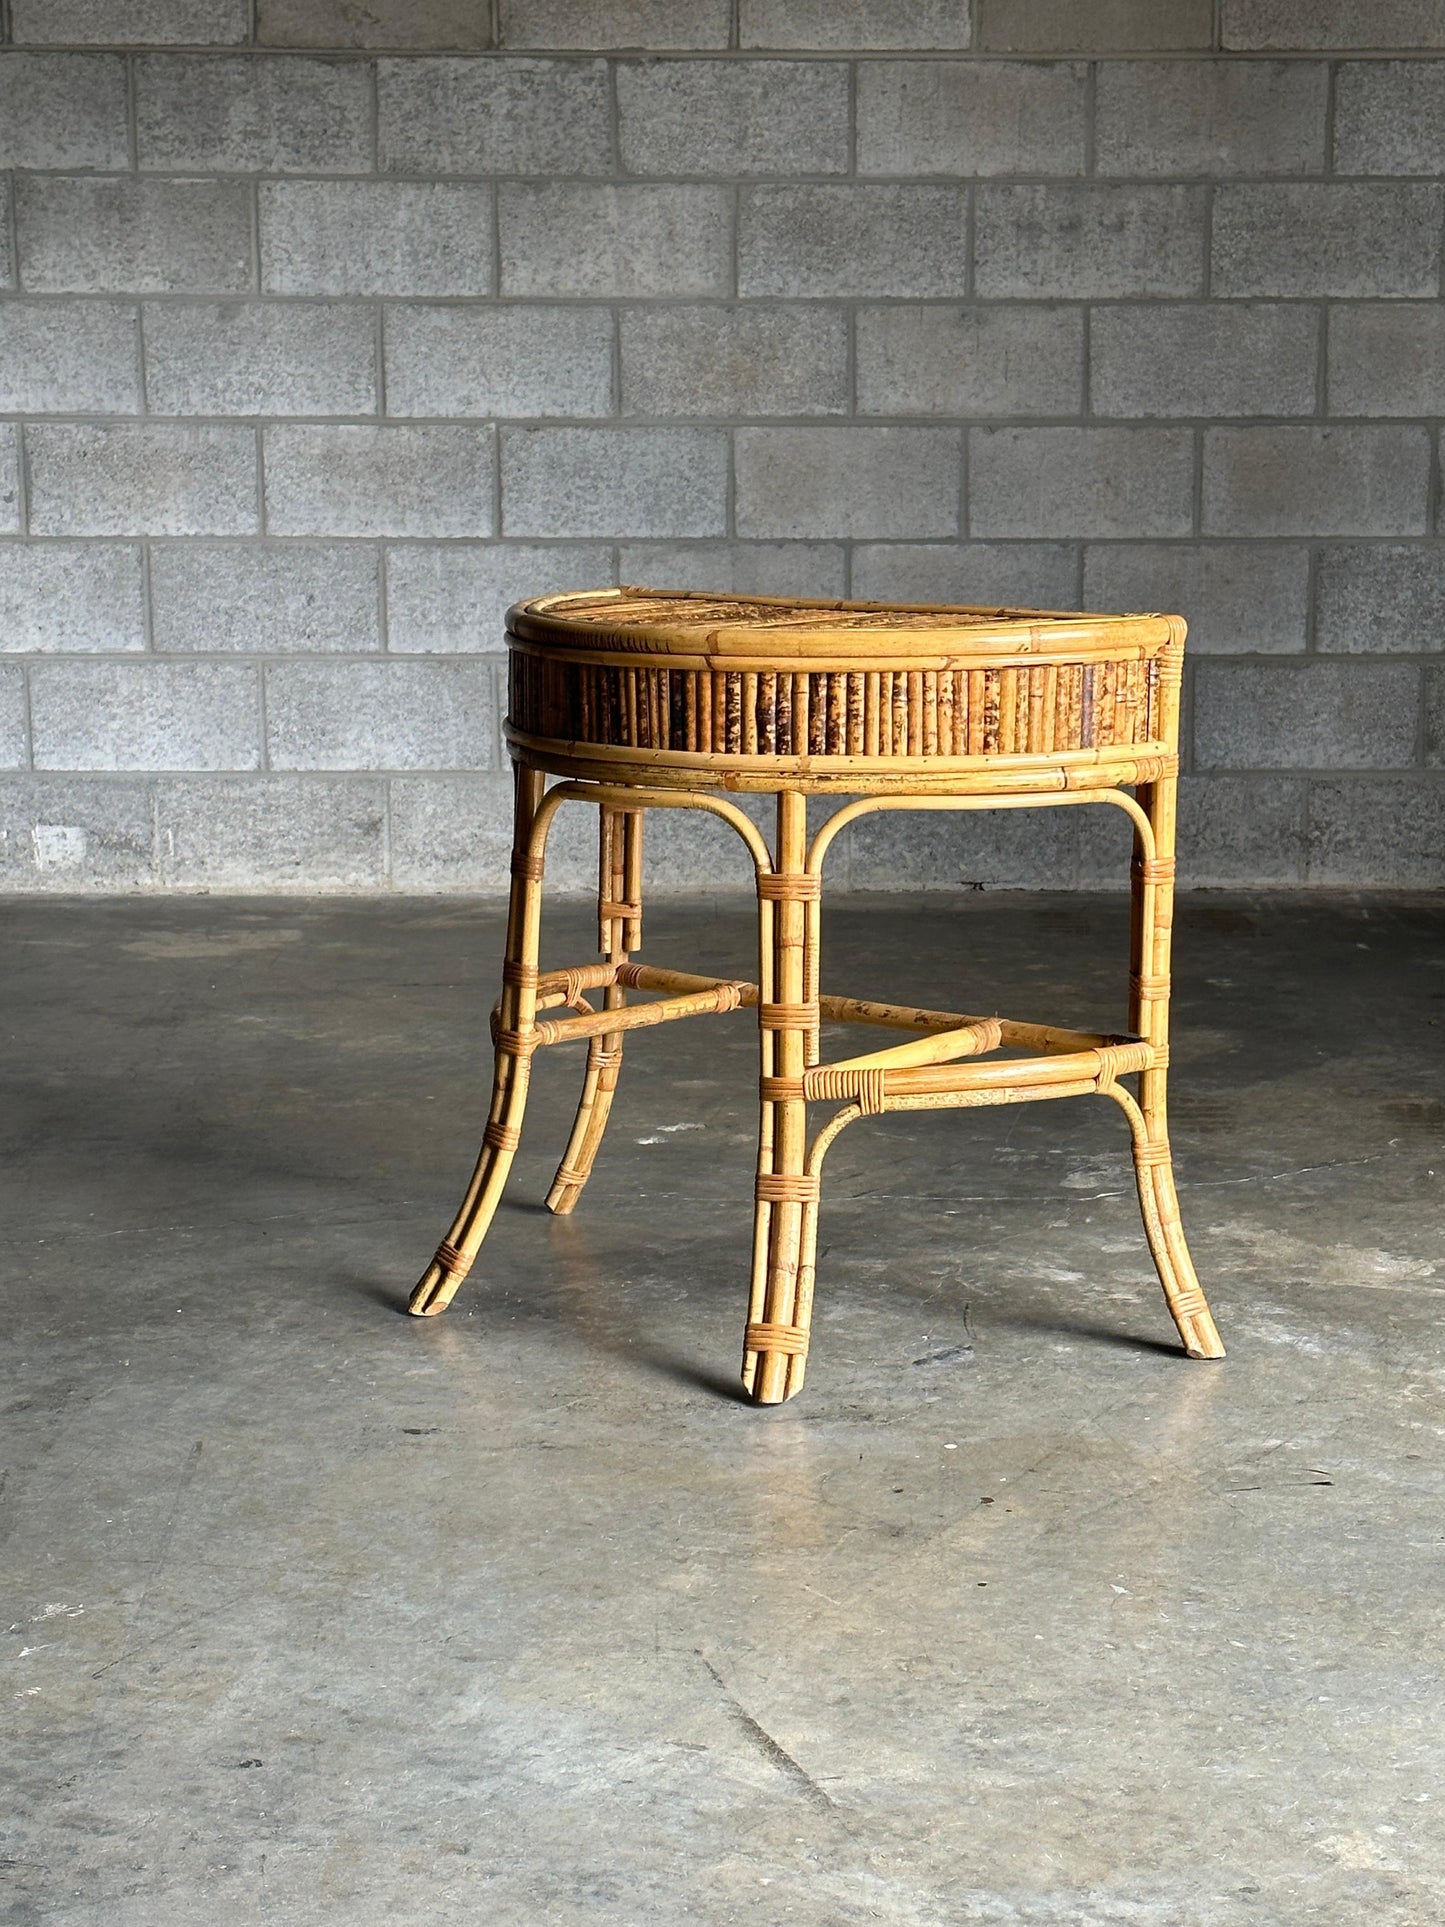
x,y
1103,26
452,598
251,114
63,110
1316,481
1089,242
1247,358
141,478
145,715
909,24
1009,575
306,599
1379,598
848,481
1237,832
1238,597
87,235
1375,833
992,849
956,118
733,117
379,481
380,715
376,237
512,360
1294,24
1080,481
273,833
1326,237
1387,358
1305,715
615,23
70,597
69,358
9,478
614,481
743,568
14,746
749,360
852,241
969,361
1227,117
130,23
576,238
75,834
1390,117
433,26
494,117
455,833
261,358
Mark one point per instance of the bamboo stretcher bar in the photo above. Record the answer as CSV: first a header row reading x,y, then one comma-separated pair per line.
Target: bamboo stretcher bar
x,y
1048,1038
721,997
1018,1073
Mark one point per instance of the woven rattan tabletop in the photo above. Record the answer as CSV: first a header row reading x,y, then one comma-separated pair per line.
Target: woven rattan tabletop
x,y
780,628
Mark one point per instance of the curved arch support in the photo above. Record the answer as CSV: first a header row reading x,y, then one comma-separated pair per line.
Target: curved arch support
x,y
1046,799
634,797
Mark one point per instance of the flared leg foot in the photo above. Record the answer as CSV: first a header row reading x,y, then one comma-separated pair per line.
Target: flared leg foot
x,y
1150,945
454,1258
512,1065
593,1111
1159,1203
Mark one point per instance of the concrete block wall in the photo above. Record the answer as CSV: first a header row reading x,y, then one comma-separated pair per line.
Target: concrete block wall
x,y
327,330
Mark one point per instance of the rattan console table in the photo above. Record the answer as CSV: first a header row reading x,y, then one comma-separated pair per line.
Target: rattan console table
x,y
639,699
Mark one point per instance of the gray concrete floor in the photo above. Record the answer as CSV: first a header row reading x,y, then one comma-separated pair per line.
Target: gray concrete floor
x,y
317,1613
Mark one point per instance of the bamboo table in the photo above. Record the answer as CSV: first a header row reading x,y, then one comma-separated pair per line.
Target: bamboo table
x,y
639,699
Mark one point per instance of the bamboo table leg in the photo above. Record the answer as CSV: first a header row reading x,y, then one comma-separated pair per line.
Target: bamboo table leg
x,y
1153,917
619,914
512,1065
776,1339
